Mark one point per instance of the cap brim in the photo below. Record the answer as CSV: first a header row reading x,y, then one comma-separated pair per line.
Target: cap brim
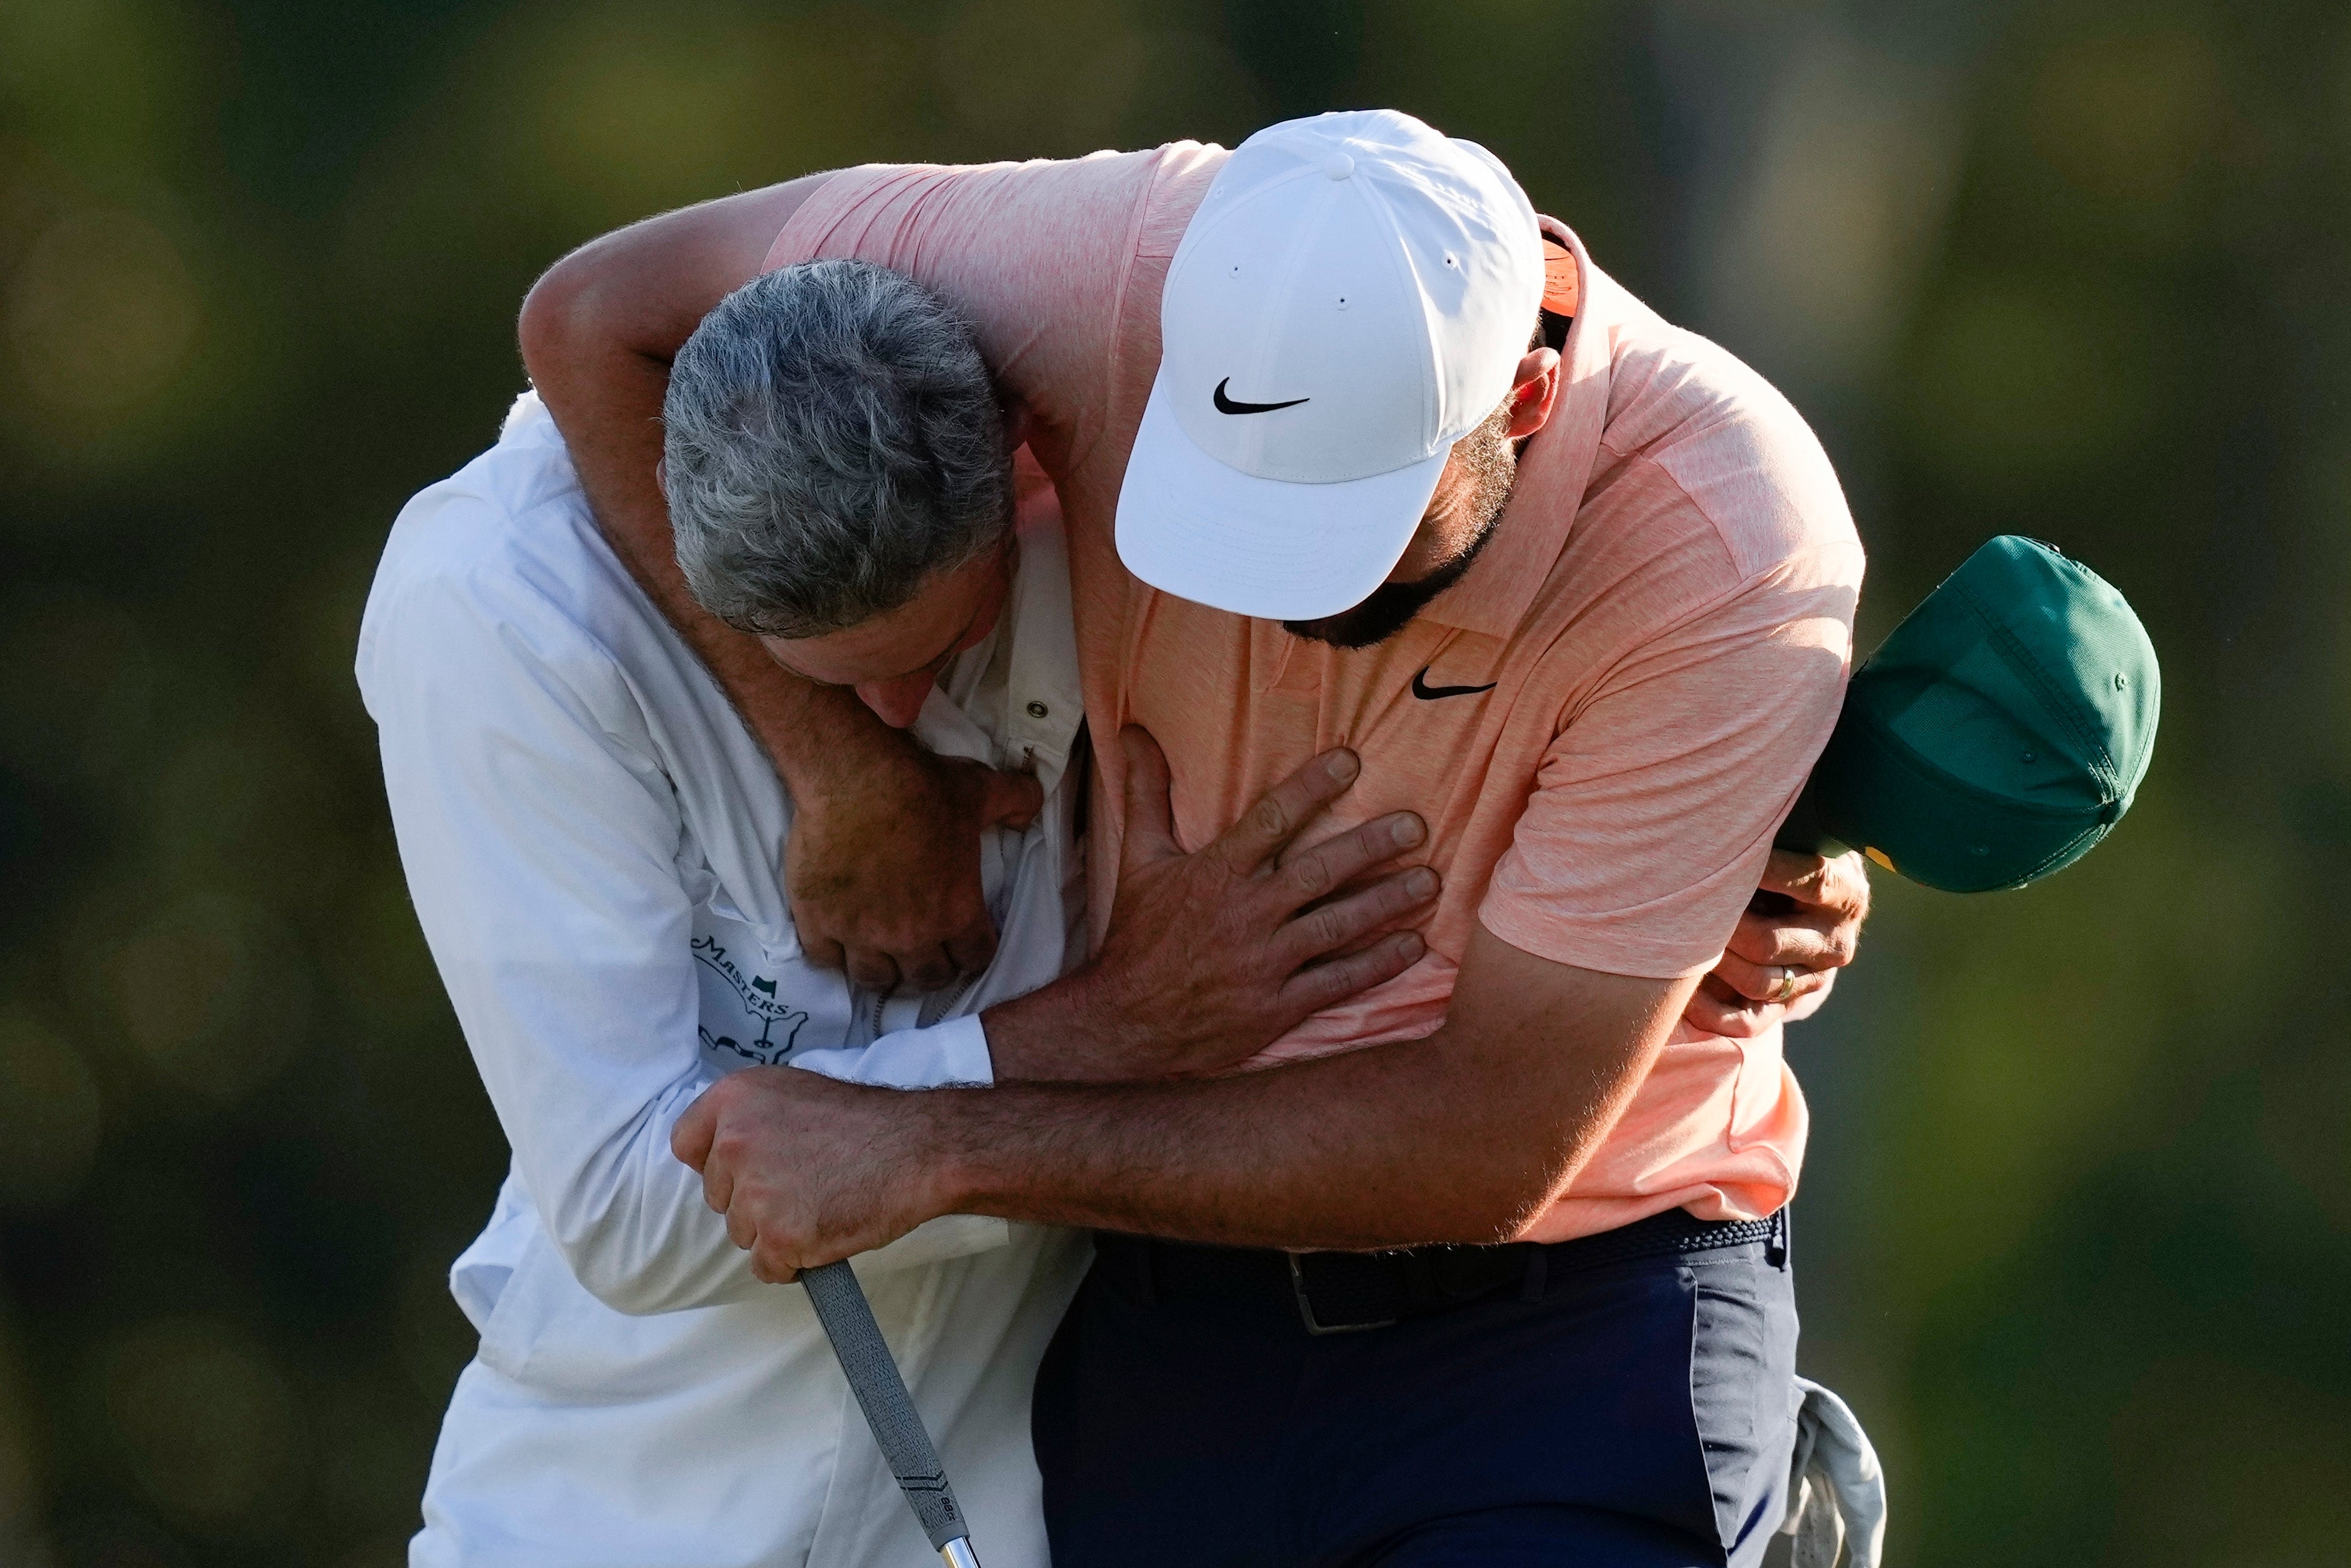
x,y
1191,525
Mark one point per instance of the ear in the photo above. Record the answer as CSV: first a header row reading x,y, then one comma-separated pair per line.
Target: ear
x,y
1534,391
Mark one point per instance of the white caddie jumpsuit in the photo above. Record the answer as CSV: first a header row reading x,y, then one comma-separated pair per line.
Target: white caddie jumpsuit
x,y
591,839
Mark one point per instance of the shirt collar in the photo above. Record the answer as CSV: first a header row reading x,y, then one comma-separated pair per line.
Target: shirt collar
x,y
1045,703
1494,596
1031,722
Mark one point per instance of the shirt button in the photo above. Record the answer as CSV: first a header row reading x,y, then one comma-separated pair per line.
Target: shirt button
x,y
1037,710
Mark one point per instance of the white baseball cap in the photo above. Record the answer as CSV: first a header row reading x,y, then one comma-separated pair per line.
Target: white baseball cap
x,y
1352,297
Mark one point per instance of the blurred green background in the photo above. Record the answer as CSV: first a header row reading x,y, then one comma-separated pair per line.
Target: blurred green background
x,y
2076,1231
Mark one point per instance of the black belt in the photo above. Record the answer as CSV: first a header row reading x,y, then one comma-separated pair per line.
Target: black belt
x,y
1341,1293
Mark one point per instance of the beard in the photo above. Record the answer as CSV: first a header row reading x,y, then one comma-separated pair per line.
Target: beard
x,y
1493,466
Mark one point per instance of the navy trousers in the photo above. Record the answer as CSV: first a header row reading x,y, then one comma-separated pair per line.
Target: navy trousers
x,y
1638,1412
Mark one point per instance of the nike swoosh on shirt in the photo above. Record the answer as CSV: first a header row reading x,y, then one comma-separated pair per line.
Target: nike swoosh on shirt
x,y
1428,694
1227,405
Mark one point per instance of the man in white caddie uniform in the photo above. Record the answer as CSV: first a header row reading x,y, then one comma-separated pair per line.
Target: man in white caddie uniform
x,y
592,839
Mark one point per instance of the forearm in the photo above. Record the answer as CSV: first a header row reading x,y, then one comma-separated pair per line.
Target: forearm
x,y
606,399
1355,1151
1449,1139
616,446
1064,1033
597,334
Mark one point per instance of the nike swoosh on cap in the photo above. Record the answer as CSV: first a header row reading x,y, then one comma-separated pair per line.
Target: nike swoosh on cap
x,y
1428,694
1227,405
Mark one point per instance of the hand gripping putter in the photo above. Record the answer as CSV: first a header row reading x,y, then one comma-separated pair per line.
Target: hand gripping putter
x,y
864,1356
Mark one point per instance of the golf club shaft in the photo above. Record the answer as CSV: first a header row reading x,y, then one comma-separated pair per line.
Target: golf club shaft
x,y
865,1359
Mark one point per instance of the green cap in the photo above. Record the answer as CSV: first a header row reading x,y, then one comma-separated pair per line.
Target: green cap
x,y
1997,734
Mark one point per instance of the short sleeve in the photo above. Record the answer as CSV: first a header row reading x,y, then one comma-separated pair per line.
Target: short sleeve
x,y
1035,256
1656,804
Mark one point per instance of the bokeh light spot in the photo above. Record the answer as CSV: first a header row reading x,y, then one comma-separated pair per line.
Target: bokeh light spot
x,y
1036,77
638,109
1074,76
209,997
2128,118
204,1422
98,314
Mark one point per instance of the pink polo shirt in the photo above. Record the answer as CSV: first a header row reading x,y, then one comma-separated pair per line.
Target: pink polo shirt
x,y
1665,616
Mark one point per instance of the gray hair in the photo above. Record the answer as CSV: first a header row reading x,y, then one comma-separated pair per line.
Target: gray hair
x,y
831,439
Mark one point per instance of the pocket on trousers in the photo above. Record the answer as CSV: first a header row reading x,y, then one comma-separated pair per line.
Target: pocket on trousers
x,y
1742,1365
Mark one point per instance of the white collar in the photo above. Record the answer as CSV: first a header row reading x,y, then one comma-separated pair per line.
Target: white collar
x,y
1041,703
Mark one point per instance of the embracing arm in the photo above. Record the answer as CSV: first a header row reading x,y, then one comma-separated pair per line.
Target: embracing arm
x,y
1464,1137
877,818
597,333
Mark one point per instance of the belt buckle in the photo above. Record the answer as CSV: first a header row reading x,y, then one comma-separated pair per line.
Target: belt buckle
x,y
1306,1307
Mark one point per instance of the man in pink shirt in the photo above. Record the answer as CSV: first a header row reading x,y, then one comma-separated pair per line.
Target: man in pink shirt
x,y
1584,607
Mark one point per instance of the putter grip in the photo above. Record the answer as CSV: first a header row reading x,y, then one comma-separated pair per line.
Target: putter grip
x,y
864,1356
